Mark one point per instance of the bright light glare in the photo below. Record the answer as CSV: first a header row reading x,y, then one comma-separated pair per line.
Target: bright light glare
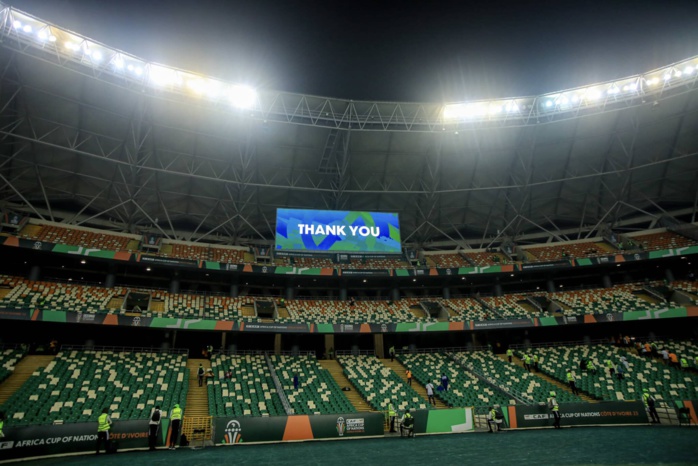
x,y
688,70
512,107
118,63
563,101
96,55
575,98
652,81
667,77
71,46
677,74
549,103
27,28
162,76
17,24
52,38
242,96
594,94
43,35
138,71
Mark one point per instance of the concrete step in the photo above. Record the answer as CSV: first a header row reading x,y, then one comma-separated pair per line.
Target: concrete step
x,y
337,373
23,370
401,370
197,397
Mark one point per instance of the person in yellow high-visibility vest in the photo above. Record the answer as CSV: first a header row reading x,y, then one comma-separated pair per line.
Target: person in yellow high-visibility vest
x,y
176,418
391,416
103,426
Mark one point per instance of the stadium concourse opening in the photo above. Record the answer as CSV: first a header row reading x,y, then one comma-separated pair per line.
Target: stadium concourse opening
x,y
573,446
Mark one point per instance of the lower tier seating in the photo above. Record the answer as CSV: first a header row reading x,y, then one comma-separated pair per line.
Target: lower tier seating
x,y
464,389
249,392
379,385
77,385
8,359
317,392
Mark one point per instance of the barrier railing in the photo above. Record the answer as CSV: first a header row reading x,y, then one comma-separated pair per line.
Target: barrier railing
x,y
125,349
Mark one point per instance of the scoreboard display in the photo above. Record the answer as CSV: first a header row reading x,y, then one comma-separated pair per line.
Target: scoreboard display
x,y
337,231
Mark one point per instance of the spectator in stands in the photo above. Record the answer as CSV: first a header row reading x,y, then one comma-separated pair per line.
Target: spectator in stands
x,y
591,368
153,426
620,370
674,359
407,425
228,374
492,421
409,377
611,369
391,352
665,355
582,364
209,375
444,382
625,363
209,352
391,416
200,373
571,382
535,362
53,346
176,418
510,354
103,426
331,352
649,405
295,381
430,393
684,363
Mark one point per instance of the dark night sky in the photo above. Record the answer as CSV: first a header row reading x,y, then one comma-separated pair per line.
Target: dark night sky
x,y
426,50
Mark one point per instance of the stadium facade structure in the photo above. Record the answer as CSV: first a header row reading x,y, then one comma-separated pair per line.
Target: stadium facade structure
x,y
95,137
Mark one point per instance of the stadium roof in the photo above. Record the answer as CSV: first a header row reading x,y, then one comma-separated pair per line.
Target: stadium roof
x,y
125,148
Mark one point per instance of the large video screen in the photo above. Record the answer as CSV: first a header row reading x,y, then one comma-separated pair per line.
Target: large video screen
x,y
335,230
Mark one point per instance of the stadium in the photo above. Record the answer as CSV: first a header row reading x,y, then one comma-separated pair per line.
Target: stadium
x,y
287,267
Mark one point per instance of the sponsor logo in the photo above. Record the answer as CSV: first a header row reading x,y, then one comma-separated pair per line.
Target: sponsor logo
x,y
384,328
341,426
37,245
355,426
264,269
231,266
136,322
448,272
346,328
609,317
233,432
533,417
6,445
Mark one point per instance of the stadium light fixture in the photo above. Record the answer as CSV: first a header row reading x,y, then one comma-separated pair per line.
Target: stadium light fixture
x,y
27,28
17,24
242,96
688,70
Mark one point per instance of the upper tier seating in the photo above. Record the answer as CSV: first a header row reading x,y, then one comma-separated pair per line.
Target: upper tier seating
x,y
514,378
76,237
484,259
317,392
229,256
379,385
77,385
689,286
619,298
464,388
380,312
189,251
8,360
665,240
313,262
250,392
26,294
566,251
665,383
369,263
448,260
507,306
466,308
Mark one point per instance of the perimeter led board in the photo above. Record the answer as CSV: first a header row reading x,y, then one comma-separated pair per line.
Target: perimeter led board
x,y
337,231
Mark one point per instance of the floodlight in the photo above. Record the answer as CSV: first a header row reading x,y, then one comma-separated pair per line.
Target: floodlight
x,y
677,74
652,81
575,98
549,103
494,108
52,38
130,67
613,90
667,77
87,51
71,45
242,96
96,55
512,107
17,24
27,28
688,70
43,35
563,101
594,94
138,71
118,62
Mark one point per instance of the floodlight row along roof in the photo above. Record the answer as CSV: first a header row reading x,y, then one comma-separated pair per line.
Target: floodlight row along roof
x,y
30,35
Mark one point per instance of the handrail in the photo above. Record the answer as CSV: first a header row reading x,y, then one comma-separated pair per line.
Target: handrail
x,y
279,387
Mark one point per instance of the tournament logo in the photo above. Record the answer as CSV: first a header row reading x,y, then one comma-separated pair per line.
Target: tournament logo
x,y
136,322
233,432
38,245
341,426
6,445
